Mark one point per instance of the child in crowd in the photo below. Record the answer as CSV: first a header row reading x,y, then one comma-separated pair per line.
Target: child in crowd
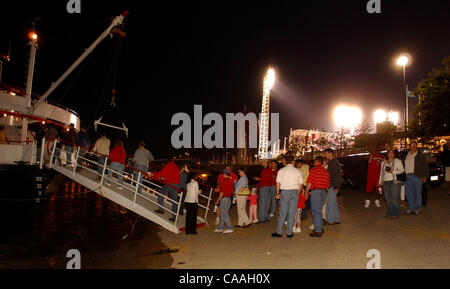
x,y
253,198
298,214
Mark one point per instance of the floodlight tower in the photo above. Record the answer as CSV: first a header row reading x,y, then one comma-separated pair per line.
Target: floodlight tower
x,y
263,148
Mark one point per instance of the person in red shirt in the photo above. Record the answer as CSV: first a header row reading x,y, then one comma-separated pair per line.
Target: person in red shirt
x,y
170,176
118,156
219,181
253,198
373,175
317,185
298,214
226,189
267,191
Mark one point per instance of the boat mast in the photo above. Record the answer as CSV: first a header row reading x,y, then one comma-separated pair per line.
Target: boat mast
x,y
33,46
118,20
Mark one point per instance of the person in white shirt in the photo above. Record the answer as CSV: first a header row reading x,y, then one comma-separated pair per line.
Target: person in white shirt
x,y
289,185
390,168
191,204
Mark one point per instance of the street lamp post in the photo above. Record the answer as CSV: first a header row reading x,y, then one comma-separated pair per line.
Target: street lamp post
x,y
403,60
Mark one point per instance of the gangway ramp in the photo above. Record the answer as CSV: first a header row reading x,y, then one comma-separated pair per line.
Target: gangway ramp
x,y
144,204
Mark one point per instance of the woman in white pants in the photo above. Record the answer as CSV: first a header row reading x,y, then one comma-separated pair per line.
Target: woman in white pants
x,y
241,193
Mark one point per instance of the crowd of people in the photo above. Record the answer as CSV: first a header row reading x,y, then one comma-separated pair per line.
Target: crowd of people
x,y
296,186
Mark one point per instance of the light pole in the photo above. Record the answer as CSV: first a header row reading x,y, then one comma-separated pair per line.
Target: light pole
x,y
269,81
403,60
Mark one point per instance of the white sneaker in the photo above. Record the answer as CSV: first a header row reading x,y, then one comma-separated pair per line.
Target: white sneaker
x,y
217,221
311,227
271,215
285,223
120,188
299,230
377,203
367,204
255,221
218,231
227,231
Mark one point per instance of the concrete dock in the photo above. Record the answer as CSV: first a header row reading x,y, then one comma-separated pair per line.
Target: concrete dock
x,y
409,242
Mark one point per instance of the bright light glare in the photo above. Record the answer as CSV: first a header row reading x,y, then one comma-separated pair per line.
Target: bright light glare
x,y
347,117
403,60
379,116
33,35
393,117
269,80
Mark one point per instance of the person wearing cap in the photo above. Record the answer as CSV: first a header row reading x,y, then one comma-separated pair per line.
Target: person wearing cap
x,y
226,189
219,181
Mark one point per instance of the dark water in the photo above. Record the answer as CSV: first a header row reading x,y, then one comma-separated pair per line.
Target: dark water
x,y
39,236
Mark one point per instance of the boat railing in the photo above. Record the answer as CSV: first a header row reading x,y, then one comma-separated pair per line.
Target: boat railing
x,y
130,179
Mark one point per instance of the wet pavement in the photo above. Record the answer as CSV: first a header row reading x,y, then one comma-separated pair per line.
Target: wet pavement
x,y
39,236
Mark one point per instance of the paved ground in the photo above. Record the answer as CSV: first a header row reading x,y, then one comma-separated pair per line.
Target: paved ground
x,y
409,242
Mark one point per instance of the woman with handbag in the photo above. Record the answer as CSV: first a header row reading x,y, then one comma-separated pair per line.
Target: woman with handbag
x,y
242,192
391,175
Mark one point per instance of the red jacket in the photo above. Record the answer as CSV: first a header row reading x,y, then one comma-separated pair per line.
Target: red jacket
x,y
226,186
374,166
118,155
170,173
268,177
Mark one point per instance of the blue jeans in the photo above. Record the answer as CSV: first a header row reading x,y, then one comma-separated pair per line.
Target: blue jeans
x,y
173,195
139,179
69,151
101,163
317,200
273,199
118,167
413,191
288,207
225,204
332,207
264,203
392,196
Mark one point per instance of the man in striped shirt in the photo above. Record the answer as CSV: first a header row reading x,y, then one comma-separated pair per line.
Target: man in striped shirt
x,y
317,184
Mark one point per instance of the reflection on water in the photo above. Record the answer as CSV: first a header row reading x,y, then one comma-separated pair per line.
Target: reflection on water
x,y
39,236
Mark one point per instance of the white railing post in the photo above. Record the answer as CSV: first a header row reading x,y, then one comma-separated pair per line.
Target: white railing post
x,y
178,208
104,171
41,160
53,152
76,161
207,206
137,187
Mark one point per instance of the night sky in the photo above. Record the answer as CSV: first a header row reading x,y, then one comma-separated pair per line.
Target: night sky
x,y
215,53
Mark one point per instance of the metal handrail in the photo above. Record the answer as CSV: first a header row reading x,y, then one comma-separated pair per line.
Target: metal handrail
x,y
106,167
133,182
